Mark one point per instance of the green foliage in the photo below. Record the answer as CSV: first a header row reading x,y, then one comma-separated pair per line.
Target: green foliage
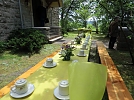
x,y
64,31
90,26
2,46
78,39
66,51
74,14
108,9
28,40
104,26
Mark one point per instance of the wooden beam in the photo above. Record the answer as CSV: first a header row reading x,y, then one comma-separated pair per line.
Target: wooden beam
x,y
116,87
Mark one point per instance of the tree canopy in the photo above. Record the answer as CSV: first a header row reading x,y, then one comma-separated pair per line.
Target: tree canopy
x,y
75,13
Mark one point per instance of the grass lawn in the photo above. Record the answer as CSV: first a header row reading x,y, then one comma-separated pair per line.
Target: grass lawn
x,y
71,35
13,65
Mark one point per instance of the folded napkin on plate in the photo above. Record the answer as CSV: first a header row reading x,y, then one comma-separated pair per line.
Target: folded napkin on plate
x,y
87,81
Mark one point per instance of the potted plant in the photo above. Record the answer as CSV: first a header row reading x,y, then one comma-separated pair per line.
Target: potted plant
x,y
66,52
83,35
78,39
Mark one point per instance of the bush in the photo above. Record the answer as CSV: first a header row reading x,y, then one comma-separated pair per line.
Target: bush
x,y
2,46
29,40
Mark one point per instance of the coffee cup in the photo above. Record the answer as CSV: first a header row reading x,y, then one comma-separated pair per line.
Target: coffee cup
x,y
49,62
81,53
20,87
88,37
72,42
64,88
84,46
86,42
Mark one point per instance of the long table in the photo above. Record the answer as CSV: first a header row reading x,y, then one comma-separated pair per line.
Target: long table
x,y
45,80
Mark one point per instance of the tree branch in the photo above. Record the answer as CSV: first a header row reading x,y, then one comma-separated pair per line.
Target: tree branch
x,y
69,8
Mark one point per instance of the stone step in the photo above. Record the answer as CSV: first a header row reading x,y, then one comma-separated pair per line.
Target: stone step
x,y
55,39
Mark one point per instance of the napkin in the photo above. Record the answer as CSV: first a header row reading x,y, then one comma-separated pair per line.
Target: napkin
x,y
87,81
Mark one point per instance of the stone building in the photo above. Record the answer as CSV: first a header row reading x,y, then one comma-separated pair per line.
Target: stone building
x,y
16,14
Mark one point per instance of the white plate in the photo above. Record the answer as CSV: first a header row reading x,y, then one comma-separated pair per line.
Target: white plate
x,y
81,55
54,64
59,53
30,90
57,95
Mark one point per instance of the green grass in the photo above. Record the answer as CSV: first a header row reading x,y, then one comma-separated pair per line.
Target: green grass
x,y
71,35
13,65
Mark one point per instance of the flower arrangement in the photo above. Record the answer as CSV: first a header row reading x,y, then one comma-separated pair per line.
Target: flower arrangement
x,y
78,39
66,51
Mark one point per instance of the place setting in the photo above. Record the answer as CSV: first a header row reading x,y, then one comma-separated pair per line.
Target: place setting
x,y
62,90
84,47
72,42
49,63
81,53
86,42
21,89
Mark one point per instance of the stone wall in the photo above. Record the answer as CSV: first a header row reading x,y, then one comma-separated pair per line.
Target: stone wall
x,y
11,19
27,14
53,15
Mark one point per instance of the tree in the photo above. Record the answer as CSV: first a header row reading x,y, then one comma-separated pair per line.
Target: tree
x,y
66,10
83,13
111,8
76,11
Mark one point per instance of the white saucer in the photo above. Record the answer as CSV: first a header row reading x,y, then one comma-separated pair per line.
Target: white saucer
x,y
57,95
54,64
59,53
30,90
81,55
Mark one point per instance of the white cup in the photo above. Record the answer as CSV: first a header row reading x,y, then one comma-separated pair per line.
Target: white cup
x,y
84,46
64,88
81,52
20,86
88,37
49,62
72,42
86,42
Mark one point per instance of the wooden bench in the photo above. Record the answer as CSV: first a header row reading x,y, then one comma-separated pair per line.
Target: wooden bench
x,y
116,88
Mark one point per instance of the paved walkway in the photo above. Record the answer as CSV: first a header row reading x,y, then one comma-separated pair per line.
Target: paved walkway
x,y
62,41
